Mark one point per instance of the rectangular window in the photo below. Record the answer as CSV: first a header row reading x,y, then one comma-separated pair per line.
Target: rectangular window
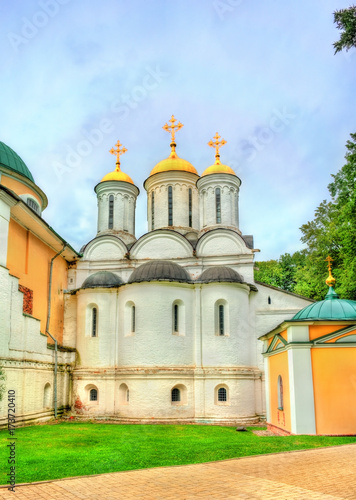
x,y
237,209
222,396
133,319
221,320
176,325
94,322
218,205
111,211
170,206
153,211
32,204
190,209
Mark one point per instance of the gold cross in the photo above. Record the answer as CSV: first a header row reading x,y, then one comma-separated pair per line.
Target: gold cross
x,y
330,280
117,151
172,129
217,144
329,260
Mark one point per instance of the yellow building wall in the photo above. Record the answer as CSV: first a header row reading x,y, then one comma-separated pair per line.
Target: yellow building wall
x,y
29,260
278,365
316,331
18,187
334,378
282,334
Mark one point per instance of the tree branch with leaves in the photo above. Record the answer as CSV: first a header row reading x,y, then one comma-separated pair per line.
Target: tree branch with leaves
x,y
345,20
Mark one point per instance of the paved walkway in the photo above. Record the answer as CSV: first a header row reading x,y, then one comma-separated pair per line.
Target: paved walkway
x,y
325,474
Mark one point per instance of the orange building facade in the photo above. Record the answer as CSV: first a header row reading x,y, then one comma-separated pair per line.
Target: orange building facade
x,y
310,369
34,263
31,250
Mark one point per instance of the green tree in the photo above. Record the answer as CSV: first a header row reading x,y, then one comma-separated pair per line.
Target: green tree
x,y
331,232
345,20
269,272
281,272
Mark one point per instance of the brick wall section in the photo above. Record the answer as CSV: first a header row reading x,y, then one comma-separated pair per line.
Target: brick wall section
x,y
27,299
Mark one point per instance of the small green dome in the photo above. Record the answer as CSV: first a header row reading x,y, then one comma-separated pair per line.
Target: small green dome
x,y
11,160
331,308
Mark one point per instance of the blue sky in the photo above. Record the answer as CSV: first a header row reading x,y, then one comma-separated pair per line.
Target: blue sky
x,y
79,75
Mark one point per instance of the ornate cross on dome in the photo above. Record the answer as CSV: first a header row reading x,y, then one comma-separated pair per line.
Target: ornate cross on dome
x,y
217,145
172,129
330,280
117,151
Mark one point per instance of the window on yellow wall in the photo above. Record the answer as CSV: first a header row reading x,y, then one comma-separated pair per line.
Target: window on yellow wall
x,y
280,393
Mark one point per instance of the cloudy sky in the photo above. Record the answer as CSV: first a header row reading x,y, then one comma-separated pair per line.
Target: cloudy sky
x,y
77,75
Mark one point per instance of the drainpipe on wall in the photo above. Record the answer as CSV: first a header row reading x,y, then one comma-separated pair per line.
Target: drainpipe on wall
x,y
47,328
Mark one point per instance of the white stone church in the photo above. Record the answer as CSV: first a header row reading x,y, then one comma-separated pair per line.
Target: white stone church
x,y
165,327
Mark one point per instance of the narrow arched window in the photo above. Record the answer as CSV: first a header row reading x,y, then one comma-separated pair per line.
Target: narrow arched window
x,y
175,395
47,396
218,205
221,320
126,213
237,209
176,317
93,395
280,393
269,300
222,395
94,322
170,206
190,209
133,319
153,210
111,211
124,394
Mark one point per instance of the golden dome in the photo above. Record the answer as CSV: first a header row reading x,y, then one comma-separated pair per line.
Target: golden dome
x,y
218,168
173,162
117,175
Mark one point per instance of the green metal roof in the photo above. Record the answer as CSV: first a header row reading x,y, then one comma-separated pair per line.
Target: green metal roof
x,y
331,308
11,160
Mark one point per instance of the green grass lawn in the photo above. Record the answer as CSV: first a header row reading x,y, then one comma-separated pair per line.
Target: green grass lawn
x,y
76,449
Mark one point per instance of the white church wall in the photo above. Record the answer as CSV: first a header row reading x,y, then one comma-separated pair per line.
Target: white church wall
x,y
240,396
70,320
221,242
124,200
106,247
27,361
154,342
229,192
232,348
150,395
99,350
162,245
181,182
